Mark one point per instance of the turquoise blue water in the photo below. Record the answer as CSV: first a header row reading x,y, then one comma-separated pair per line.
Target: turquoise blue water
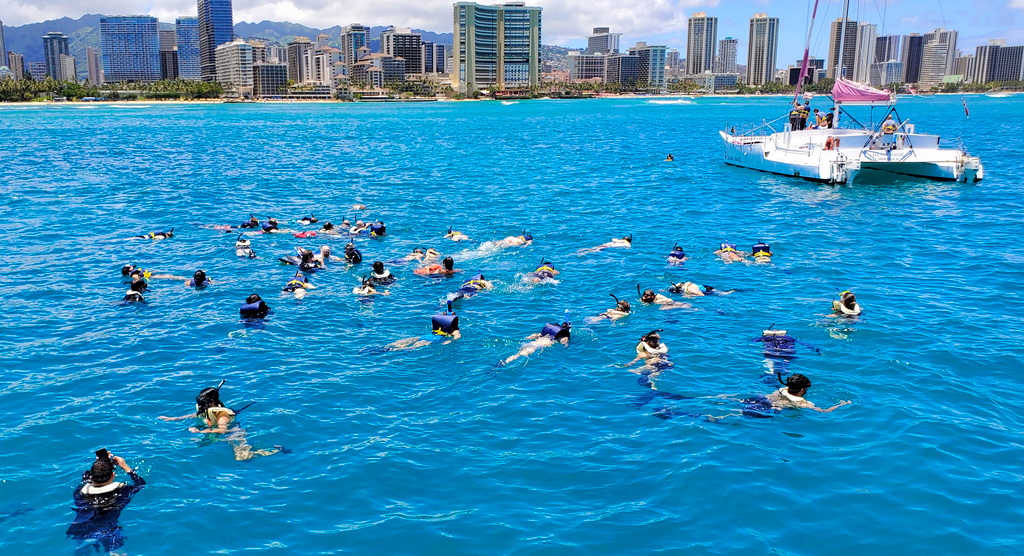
x,y
436,451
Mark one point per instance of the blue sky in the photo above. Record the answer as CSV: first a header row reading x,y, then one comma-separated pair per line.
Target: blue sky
x,y
567,22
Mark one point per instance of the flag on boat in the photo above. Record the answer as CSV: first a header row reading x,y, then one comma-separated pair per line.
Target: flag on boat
x,y
851,92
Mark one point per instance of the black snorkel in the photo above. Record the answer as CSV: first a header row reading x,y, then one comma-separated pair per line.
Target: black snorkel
x,y
644,337
638,290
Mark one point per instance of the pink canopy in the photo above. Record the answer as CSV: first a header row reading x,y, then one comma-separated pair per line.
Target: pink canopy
x,y
846,91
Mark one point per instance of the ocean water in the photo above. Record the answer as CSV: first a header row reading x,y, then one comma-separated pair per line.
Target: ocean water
x,y
440,451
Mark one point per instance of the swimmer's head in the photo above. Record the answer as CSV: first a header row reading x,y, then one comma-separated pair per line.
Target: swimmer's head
x,y
378,267
207,398
623,306
253,218
652,339
199,277
312,218
448,263
797,384
360,223
629,239
138,286
325,250
648,296
254,298
417,251
345,222
849,299
102,471
328,225
127,269
272,222
350,246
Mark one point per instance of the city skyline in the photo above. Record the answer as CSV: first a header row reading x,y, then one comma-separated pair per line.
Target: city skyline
x,y
568,22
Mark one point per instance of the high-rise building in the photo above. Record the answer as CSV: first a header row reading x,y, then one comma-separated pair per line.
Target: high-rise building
x,y
270,79
986,61
323,66
277,54
849,43
672,59
887,47
584,66
864,52
701,39
37,70
434,58
68,68
17,65
726,62
762,49
92,59
603,41
962,66
651,66
216,27
937,56
496,46
913,49
131,48
187,41
297,50
54,44
1009,67
378,69
623,69
884,73
168,54
234,67
3,47
403,43
353,37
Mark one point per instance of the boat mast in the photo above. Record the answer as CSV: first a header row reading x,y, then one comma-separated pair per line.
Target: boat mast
x,y
842,45
807,49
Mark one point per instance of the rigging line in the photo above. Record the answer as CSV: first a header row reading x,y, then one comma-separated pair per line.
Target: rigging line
x,y
943,14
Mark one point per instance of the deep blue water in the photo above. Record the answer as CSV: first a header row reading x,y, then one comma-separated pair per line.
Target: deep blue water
x,y
435,451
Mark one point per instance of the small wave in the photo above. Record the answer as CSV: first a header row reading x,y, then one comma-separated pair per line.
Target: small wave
x,y
676,101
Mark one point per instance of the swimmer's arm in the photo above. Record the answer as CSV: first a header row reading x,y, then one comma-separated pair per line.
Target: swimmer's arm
x,y
167,277
532,336
831,409
162,418
222,427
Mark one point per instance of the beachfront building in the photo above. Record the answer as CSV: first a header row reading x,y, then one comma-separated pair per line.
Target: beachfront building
x,y
726,61
353,37
17,65
130,47
622,69
701,39
496,46
762,49
95,67
377,69
937,57
995,62
864,52
168,54
1009,64
403,43
187,42
849,44
68,68
37,70
603,41
55,44
651,66
585,67
323,66
270,79
913,49
216,27
435,58
234,67
297,50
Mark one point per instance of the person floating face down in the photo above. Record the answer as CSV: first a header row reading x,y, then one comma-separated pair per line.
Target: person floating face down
x,y
622,309
456,235
367,288
215,418
548,336
677,255
157,235
516,241
649,297
199,280
625,242
243,248
791,395
847,305
728,253
298,285
444,329
99,501
446,268
544,273
762,252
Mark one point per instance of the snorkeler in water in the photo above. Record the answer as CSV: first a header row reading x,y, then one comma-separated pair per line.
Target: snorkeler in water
x,y
515,241
648,297
381,276
366,288
470,287
135,291
456,235
677,255
324,256
99,501
360,227
621,309
254,308
329,229
199,280
777,343
352,255
298,286
446,268
251,224
626,241
547,337
792,395
216,418
654,354
728,253
544,273
134,271
157,235
761,252
444,329
847,305
307,220
243,248
691,289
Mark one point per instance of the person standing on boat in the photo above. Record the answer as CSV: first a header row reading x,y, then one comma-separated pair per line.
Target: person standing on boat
x,y
805,112
888,132
794,116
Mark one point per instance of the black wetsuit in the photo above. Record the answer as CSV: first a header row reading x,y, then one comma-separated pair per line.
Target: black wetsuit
x,y
96,515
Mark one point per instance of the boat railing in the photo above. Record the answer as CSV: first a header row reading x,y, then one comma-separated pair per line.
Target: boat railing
x,y
761,131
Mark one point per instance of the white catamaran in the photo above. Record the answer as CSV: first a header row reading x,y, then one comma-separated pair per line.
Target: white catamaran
x,y
838,155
